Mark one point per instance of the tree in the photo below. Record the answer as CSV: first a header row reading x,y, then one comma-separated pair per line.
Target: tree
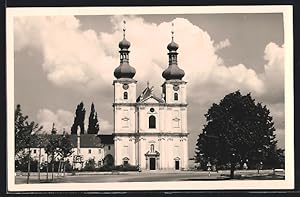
x,y
78,119
24,131
238,130
51,148
108,160
93,126
25,137
65,147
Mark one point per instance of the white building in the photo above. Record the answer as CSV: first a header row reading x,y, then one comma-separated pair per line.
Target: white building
x,y
90,146
150,131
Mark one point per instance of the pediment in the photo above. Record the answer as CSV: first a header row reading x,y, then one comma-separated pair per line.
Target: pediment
x,y
152,99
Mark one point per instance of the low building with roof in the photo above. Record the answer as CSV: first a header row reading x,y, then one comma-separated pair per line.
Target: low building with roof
x,y
85,147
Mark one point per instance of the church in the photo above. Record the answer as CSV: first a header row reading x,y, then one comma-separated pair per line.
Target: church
x,y
150,131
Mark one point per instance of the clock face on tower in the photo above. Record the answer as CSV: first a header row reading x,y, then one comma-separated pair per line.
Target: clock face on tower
x,y
175,87
125,86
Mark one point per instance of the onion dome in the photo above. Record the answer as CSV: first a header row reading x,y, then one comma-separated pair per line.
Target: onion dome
x,y
173,46
124,44
124,70
173,71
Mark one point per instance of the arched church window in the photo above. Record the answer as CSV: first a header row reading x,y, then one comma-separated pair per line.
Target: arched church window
x,y
152,148
125,96
176,96
152,122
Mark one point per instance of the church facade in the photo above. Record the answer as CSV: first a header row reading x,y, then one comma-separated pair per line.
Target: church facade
x,y
150,131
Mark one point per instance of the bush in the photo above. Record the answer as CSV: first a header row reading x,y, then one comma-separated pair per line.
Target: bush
x,y
90,165
127,168
122,168
21,164
68,166
106,168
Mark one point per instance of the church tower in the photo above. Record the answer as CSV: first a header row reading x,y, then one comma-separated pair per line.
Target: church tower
x,y
150,131
174,88
124,106
174,94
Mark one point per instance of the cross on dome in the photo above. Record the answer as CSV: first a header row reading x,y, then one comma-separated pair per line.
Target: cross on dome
x,y
173,71
124,28
172,31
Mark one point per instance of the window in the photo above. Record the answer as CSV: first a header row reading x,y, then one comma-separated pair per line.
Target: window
x,y
125,96
176,96
99,151
90,151
152,122
108,147
34,151
152,148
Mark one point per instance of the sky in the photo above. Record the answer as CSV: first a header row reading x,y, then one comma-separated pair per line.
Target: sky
x,y
63,60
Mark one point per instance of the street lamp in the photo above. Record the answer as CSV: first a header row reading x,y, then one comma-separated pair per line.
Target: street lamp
x,y
232,163
208,167
260,164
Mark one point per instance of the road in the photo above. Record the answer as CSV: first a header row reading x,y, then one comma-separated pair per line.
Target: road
x,y
154,177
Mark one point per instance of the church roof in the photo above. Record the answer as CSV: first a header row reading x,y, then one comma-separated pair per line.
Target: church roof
x,y
106,139
92,140
147,94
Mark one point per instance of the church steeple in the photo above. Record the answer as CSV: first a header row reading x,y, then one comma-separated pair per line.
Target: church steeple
x,y
173,71
124,70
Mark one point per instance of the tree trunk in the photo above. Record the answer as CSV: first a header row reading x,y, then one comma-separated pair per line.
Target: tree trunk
x,y
52,170
231,170
28,166
59,168
64,169
39,166
47,176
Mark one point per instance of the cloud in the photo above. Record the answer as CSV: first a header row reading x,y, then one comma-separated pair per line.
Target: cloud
x,y
62,119
223,44
72,58
86,59
273,76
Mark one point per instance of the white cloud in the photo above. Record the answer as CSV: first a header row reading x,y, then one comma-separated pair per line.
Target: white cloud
x,y
223,44
86,59
62,119
274,73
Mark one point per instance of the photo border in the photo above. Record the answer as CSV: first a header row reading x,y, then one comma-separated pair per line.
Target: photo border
x,y
288,105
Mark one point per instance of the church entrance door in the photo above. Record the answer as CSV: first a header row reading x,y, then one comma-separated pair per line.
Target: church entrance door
x,y
176,165
152,163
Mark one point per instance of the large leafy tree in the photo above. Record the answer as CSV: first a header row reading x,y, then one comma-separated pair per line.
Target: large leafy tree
x,y
78,119
238,130
93,126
